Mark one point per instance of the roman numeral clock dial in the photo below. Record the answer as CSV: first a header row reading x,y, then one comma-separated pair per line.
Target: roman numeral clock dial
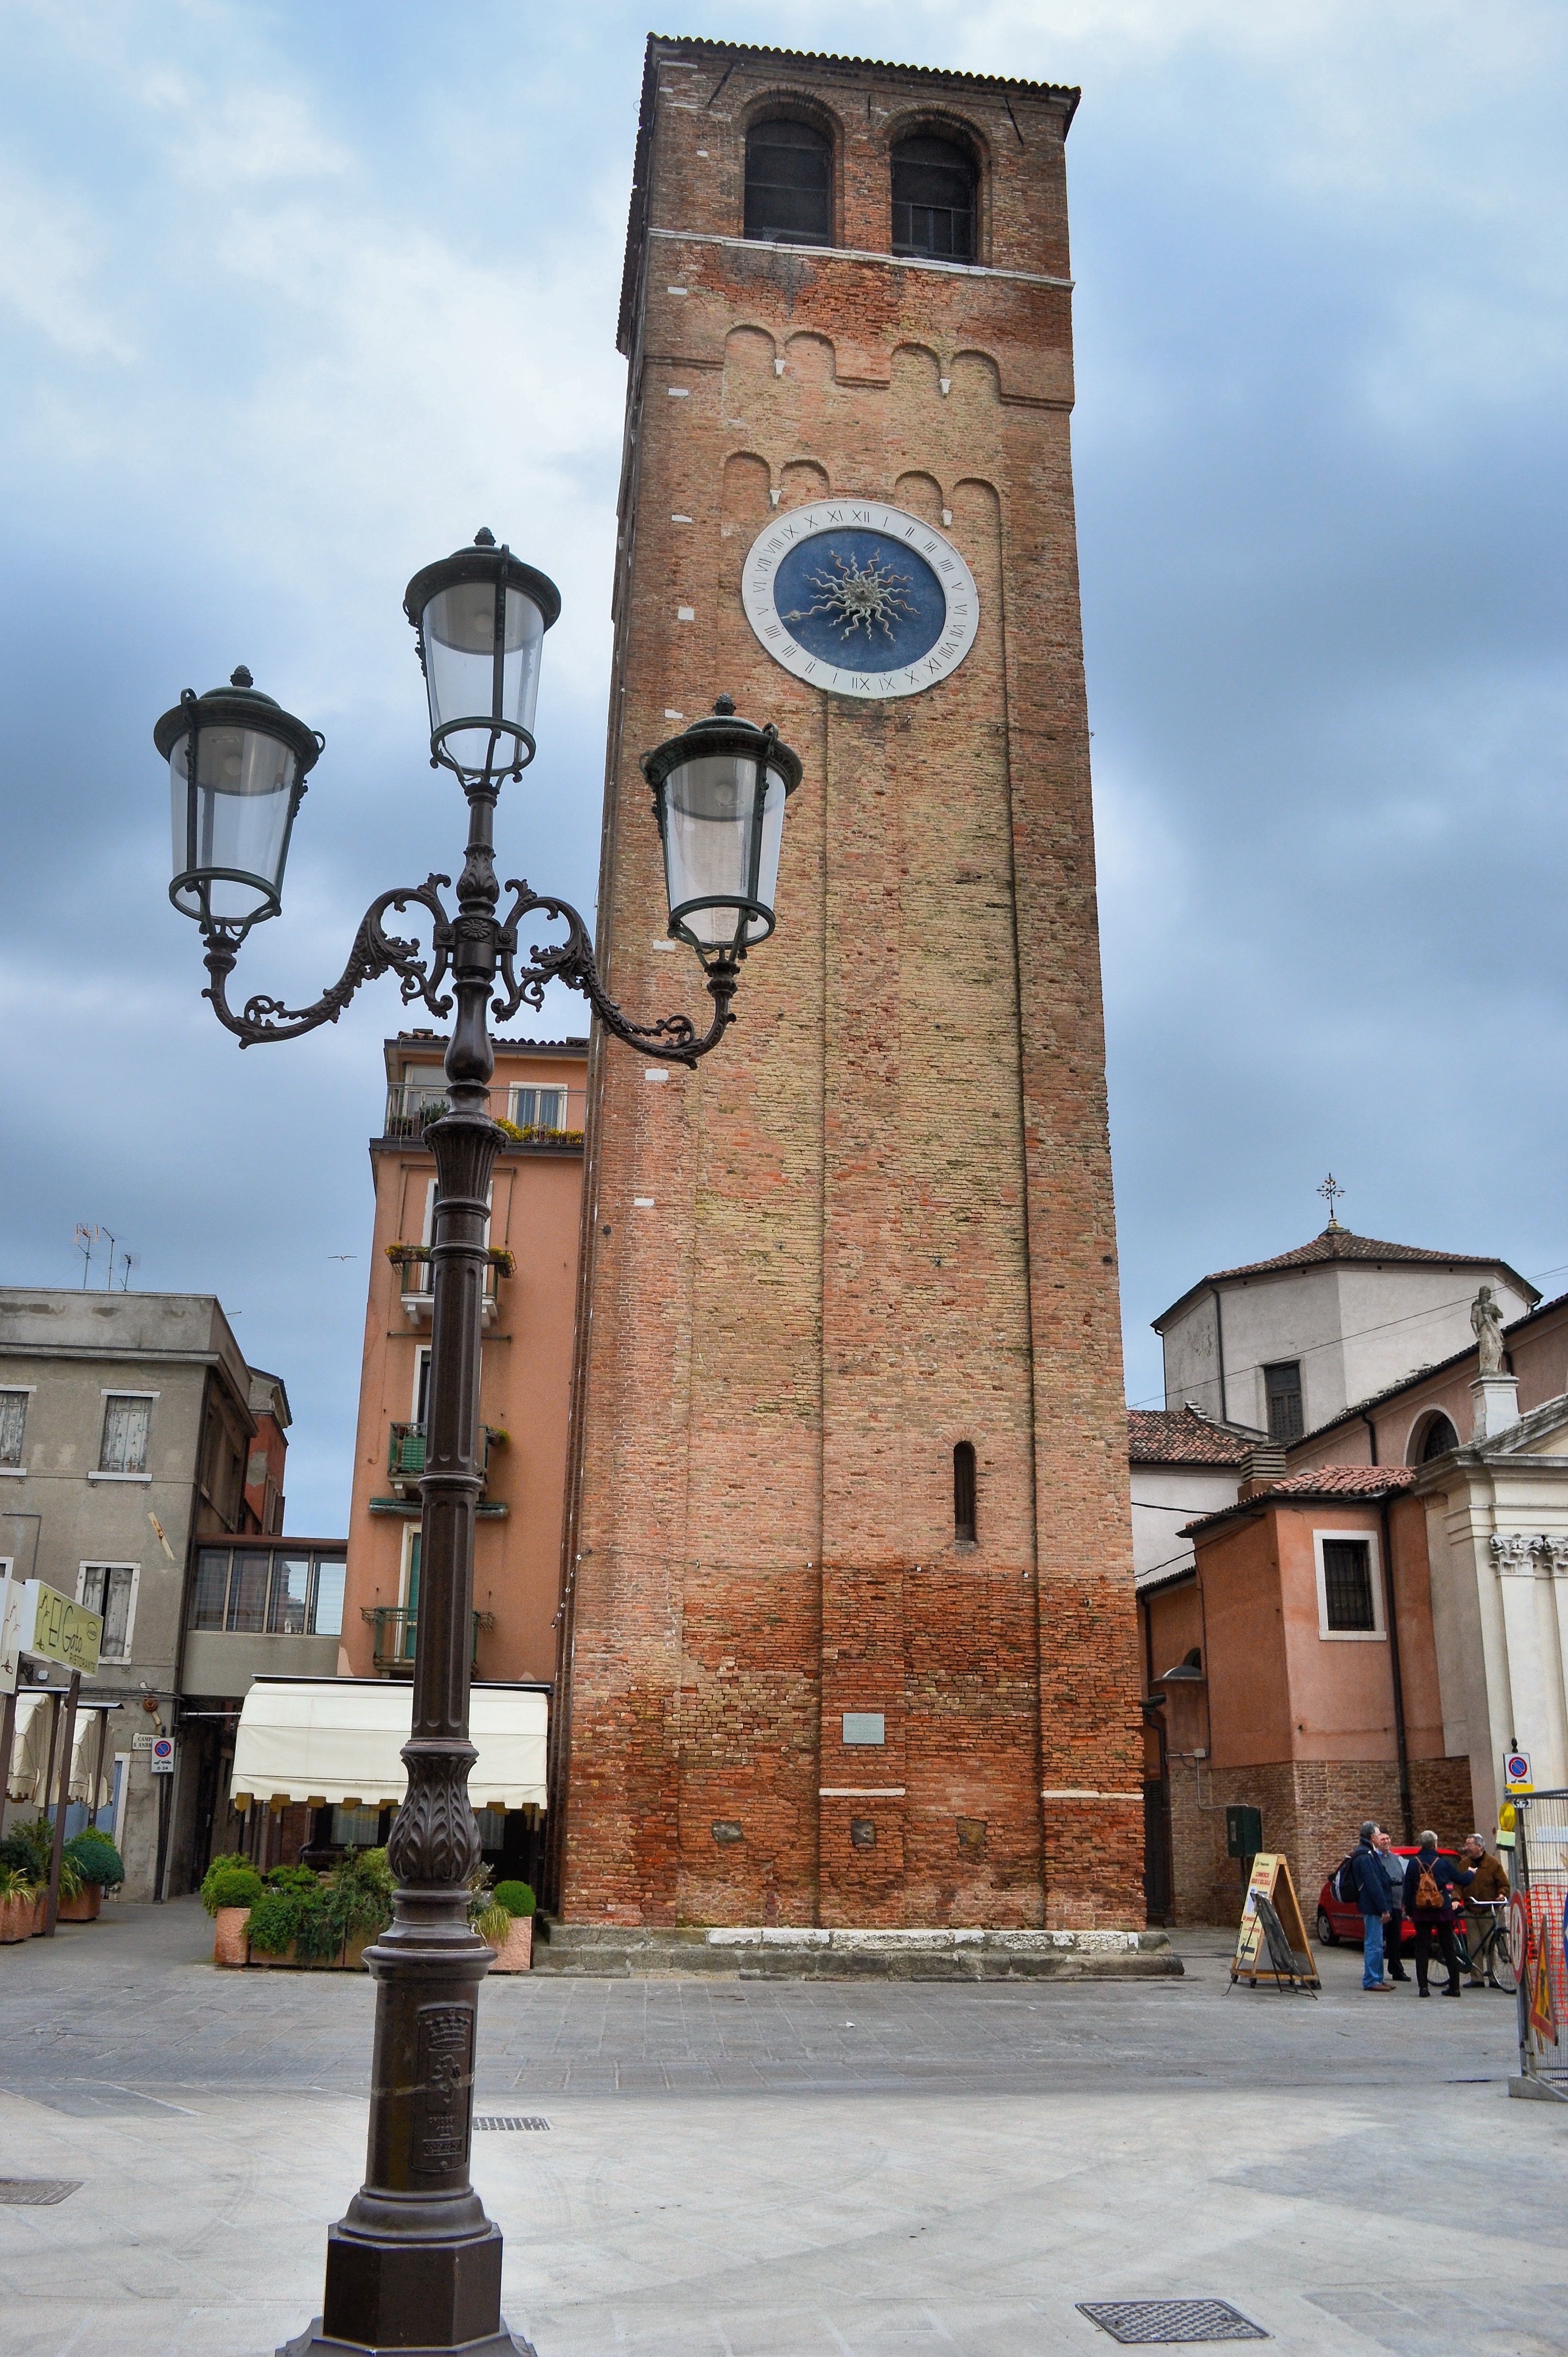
x,y
861,600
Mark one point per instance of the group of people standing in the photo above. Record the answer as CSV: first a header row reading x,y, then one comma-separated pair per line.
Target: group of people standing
x,y
1434,1892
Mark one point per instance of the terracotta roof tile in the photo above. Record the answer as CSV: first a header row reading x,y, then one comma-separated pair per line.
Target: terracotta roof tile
x,y
1363,1482
1339,1243
1181,1435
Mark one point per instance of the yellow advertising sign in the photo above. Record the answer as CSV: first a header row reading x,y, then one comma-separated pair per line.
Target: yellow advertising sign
x,y
56,1628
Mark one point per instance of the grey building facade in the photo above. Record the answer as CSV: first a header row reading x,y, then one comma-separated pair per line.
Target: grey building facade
x,y
125,1437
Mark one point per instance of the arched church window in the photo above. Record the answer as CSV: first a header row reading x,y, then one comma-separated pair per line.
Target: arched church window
x,y
789,183
1438,1439
934,200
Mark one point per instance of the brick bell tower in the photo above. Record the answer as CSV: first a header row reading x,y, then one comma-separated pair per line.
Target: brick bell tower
x,y
848,1633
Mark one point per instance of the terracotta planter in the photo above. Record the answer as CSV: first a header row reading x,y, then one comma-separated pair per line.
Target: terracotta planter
x,y
516,1953
83,1908
17,1920
229,1942
255,1955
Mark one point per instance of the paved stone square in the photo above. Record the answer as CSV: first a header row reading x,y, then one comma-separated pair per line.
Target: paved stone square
x,y
775,2169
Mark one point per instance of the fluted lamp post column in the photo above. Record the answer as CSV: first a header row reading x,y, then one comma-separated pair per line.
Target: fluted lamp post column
x,y
414,2265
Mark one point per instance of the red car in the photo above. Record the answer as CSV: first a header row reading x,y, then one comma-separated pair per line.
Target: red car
x,y
1335,1922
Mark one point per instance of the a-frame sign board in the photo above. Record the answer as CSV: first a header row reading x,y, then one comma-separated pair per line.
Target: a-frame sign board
x,y
1280,1952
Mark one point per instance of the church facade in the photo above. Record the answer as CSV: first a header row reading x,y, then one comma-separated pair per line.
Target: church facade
x,y
848,1633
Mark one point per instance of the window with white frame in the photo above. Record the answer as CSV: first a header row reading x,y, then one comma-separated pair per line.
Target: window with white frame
x,y
539,1108
127,1422
1349,1584
110,1590
12,1424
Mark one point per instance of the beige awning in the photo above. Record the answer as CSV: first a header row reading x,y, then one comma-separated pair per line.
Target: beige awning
x,y
31,1751
338,1739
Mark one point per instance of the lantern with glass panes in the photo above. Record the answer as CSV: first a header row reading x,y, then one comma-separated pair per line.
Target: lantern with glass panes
x,y
416,2240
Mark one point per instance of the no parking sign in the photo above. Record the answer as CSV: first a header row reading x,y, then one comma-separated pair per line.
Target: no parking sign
x,y
1516,1771
162,1761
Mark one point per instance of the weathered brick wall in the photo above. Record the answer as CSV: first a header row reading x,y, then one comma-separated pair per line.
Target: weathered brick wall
x,y
1313,1810
879,1221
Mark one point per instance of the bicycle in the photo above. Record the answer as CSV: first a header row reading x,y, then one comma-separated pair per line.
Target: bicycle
x,y
1493,1958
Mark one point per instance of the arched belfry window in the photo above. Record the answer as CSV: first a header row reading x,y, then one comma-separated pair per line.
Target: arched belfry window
x,y
934,200
1438,1439
789,183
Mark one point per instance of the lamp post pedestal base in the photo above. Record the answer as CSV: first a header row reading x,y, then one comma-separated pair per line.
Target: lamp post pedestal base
x,y
314,2342
391,2297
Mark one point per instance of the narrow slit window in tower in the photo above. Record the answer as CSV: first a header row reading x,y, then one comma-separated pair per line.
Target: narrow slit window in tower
x,y
964,1492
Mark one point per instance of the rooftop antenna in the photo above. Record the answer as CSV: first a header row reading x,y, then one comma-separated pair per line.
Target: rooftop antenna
x,y
1331,1192
85,1239
109,1280
127,1262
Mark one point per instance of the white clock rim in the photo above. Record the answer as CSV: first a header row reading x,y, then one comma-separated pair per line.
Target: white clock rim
x,y
959,631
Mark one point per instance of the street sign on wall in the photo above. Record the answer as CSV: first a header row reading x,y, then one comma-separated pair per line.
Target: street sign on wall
x,y
55,1627
162,1761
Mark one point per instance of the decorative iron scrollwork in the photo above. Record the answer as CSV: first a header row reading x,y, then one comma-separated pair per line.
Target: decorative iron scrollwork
x,y
375,952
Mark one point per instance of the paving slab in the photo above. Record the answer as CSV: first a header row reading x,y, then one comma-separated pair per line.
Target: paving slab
x,y
781,2168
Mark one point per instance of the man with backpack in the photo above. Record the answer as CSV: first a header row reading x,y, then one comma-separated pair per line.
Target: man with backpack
x,y
1363,1884
1432,1900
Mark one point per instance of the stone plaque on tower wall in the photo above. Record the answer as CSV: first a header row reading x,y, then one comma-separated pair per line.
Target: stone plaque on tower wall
x,y
849,1436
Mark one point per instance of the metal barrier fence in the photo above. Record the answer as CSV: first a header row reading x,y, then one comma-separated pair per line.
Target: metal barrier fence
x,y
1539,1936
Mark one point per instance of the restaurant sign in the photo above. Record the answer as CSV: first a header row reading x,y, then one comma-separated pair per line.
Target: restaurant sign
x,y
54,1628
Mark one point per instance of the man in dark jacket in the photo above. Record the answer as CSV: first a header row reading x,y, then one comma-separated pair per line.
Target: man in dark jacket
x,y
1394,1929
1365,1871
1427,1874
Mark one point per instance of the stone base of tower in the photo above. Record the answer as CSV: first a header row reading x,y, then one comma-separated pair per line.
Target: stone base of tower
x,y
758,1951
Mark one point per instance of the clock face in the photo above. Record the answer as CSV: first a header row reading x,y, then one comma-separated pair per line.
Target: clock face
x,y
864,600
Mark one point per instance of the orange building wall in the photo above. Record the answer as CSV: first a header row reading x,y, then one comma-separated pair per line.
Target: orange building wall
x,y
524,1391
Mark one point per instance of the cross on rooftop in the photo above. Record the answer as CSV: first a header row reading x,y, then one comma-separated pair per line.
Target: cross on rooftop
x,y
1331,1192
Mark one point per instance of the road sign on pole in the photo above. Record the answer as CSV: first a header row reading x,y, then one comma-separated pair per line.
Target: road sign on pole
x,y
1516,1771
162,1761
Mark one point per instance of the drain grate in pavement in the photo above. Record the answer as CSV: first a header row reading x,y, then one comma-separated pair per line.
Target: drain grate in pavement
x,y
509,2120
37,2192
1142,2322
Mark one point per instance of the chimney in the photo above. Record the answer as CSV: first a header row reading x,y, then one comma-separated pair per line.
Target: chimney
x,y
1265,1465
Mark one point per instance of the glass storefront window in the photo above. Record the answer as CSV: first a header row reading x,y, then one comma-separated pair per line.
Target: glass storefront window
x,y
211,1588
355,1828
328,1616
248,1593
290,1609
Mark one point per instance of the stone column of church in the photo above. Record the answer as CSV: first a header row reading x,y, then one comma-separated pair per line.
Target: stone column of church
x,y
877,1223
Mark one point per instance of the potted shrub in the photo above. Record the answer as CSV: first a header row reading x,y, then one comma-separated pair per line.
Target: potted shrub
x,y
506,1921
359,1903
274,1927
98,1862
229,1891
79,1901
18,1904
25,1853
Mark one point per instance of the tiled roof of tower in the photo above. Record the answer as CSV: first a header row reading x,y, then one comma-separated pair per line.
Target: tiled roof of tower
x,y
1338,1243
866,65
1181,1435
1362,1482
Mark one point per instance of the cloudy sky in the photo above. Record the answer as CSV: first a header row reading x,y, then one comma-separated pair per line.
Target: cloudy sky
x,y
293,297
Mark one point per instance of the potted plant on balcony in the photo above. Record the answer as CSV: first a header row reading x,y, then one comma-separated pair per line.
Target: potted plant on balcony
x,y
19,1895
229,1891
505,1919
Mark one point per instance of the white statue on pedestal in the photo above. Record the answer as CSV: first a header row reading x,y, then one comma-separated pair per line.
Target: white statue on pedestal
x,y
1487,1325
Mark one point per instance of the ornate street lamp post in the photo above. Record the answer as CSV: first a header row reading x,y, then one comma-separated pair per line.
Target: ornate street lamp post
x,y
416,2265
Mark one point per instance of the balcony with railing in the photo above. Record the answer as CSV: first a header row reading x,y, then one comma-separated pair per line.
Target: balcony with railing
x,y
416,1281
530,1116
406,1453
396,1632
